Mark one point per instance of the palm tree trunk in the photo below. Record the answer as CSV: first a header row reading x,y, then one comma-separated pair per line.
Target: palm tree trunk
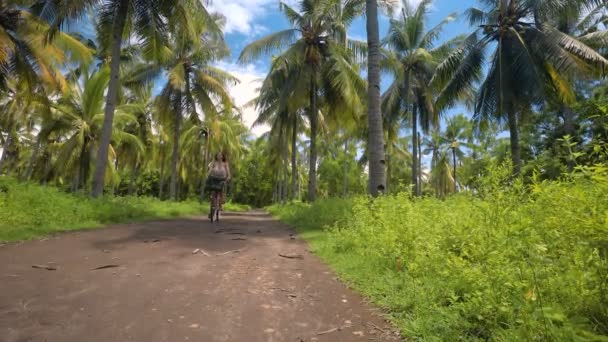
x,y
5,149
87,151
377,171
133,179
285,174
111,99
345,168
76,181
294,160
389,172
30,165
175,156
415,150
569,129
48,167
312,170
161,180
514,137
454,161
299,187
280,184
419,165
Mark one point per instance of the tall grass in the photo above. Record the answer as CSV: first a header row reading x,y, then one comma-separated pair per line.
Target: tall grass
x,y
512,263
29,210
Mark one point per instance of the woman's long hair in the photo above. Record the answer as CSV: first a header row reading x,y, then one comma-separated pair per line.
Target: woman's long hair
x,y
224,158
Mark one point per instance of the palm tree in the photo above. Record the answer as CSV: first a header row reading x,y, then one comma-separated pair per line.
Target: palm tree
x,y
141,104
160,148
15,104
531,59
317,64
583,20
281,110
27,56
441,176
377,172
149,20
193,82
433,144
457,134
412,59
81,114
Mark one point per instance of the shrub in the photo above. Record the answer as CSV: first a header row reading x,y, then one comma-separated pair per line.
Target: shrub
x,y
512,263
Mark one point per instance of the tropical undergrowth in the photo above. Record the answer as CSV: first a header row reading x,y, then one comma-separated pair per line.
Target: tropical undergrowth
x,y
512,262
29,210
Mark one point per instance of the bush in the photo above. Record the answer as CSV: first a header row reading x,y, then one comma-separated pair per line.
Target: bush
x,y
29,210
512,263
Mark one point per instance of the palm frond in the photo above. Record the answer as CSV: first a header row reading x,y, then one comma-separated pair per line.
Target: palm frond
x,y
267,45
294,18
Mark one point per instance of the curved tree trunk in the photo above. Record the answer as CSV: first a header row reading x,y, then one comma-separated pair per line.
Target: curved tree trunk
x,y
377,171
294,160
313,117
175,154
514,137
415,151
111,99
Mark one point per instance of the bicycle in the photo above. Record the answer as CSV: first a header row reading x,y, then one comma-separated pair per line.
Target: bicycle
x,y
214,210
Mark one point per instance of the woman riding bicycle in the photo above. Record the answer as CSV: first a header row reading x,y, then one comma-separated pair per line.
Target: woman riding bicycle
x,y
218,175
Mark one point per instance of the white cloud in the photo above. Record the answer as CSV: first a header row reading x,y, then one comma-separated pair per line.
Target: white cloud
x,y
413,3
245,91
242,16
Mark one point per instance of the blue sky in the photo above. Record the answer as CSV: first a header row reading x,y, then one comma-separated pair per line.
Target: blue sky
x,y
248,20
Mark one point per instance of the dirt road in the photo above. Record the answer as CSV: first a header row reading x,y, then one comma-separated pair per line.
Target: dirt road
x,y
180,280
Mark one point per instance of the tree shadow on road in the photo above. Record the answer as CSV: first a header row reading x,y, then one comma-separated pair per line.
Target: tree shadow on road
x,y
235,230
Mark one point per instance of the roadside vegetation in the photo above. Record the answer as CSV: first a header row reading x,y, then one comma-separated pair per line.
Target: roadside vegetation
x,y
514,262
31,211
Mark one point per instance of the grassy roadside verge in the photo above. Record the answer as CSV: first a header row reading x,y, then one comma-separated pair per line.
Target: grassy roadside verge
x,y
514,263
28,211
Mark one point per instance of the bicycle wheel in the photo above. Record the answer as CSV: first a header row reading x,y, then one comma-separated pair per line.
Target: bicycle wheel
x,y
212,206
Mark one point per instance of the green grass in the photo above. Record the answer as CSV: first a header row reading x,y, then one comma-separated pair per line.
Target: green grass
x,y
28,210
514,263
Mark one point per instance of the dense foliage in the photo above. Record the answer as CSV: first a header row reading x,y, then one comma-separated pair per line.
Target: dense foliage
x,y
80,112
514,263
141,107
30,210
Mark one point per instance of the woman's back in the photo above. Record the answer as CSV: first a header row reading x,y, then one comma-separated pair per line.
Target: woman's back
x,y
218,169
